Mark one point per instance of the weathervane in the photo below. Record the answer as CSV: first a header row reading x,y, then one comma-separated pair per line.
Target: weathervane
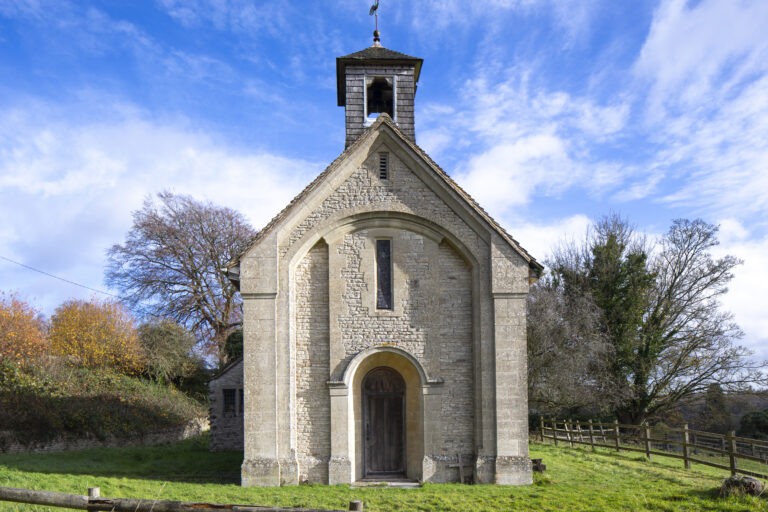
x,y
375,12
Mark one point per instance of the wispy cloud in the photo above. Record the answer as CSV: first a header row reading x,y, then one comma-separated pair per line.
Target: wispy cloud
x,y
707,66
524,141
67,187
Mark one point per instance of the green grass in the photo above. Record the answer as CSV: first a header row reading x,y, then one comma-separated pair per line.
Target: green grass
x,y
576,479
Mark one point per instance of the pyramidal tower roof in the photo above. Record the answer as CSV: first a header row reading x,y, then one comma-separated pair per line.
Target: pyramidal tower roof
x,y
376,55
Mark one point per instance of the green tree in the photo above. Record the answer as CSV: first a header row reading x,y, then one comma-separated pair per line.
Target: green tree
x,y
233,346
168,350
659,309
714,414
754,424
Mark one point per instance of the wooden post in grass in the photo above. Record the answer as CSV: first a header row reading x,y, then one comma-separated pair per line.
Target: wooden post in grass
x,y
542,427
578,427
686,454
554,429
732,451
647,440
356,505
568,432
617,434
591,436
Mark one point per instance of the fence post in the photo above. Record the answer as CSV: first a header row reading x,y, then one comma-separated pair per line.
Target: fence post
x,y
686,454
554,430
647,441
568,432
93,492
732,451
617,434
591,436
542,427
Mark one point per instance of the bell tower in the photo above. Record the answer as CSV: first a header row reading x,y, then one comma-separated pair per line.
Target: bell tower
x,y
377,81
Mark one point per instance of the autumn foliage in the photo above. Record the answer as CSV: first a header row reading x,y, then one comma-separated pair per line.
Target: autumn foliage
x,y
22,336
97,334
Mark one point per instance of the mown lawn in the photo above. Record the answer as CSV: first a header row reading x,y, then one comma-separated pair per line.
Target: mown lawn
x,y
576,479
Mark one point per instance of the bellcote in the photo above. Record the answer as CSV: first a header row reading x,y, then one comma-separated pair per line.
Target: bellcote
x,y
374,81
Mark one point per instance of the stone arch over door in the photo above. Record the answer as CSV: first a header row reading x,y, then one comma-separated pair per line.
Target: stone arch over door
x,y
347,415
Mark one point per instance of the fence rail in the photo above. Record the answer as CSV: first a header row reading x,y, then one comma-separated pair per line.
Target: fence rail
x,y
95,502
680,443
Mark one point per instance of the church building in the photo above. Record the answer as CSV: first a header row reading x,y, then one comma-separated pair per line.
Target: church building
x,y
384,313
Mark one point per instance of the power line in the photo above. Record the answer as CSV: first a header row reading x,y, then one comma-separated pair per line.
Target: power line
x,y
59,278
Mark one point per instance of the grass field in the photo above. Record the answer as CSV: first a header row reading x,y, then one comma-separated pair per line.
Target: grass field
x,y
576,479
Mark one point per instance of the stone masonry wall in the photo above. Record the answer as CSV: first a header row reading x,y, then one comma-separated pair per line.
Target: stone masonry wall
x,y
359,328
456,363
313,415
403,191
9,443
226,428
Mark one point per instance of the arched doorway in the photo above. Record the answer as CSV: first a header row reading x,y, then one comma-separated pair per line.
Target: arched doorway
x,y
384,423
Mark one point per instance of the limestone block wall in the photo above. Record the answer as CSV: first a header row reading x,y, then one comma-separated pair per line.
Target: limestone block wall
x,y
226,427
402,192
313,415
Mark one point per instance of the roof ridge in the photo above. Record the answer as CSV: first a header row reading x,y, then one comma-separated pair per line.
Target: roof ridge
x,y
386,119
306,190
463,193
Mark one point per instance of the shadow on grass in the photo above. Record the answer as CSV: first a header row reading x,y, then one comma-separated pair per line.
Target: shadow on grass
x,y
185,461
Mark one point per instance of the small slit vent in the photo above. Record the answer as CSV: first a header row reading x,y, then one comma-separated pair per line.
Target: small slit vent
x,y
384,166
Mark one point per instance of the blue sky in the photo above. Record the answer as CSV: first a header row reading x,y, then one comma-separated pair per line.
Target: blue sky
x,y
549,112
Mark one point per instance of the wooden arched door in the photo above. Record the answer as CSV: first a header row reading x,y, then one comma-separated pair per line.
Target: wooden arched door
x,y
384,423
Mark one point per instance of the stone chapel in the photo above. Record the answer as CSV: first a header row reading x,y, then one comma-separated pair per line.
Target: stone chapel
x,y
384,313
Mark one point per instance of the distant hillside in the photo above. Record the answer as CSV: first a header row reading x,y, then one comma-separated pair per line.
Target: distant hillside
x,y
738,404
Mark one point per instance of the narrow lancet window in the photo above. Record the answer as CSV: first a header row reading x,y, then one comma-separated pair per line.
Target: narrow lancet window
x,y
383,274
384,166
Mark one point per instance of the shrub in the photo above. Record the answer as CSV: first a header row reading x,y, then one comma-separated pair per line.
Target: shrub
x,y
96,334
168,350
754,424
21,330
233,345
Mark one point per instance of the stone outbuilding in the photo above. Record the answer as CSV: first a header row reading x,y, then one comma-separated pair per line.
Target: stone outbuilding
x,y
384,313
226,398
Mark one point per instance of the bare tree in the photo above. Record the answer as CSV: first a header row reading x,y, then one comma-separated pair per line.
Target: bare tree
x,y
169,265
567,354
659,309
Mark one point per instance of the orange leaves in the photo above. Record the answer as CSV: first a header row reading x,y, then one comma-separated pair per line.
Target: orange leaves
x,y
21,330
97,334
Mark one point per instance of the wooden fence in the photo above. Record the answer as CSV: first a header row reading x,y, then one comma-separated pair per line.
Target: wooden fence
x,y
95,502
692,446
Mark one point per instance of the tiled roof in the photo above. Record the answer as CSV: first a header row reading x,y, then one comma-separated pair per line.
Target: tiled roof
x,y
373,55
385,119
378,53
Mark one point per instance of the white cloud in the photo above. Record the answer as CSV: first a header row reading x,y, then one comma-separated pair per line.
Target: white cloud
x,y
707,109
67,187
528,141
745,293
540,239
437,16
693,49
